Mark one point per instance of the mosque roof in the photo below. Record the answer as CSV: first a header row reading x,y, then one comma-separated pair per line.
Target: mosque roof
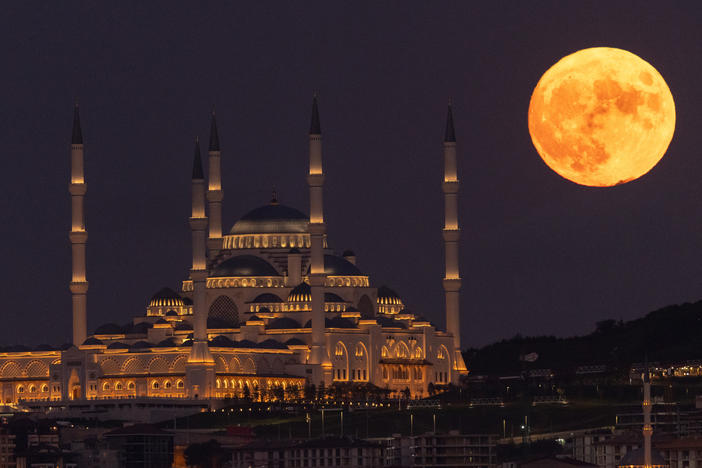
x,y
272,218
266,298
184,326
339,266
166,297
387,322
244,344
283,322
167,343
217,322
171,313
141,345
334,322
17,348
386,293
221,341
118,345
637,458
244,265
44,347
109,329
137,329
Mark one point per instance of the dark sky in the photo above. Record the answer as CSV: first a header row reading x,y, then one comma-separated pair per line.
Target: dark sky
x,y
539,254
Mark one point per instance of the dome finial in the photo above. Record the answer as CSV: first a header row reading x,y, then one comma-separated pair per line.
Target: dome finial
x,y
274,196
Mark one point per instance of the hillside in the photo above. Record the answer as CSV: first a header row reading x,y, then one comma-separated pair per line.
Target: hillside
x,y
670,334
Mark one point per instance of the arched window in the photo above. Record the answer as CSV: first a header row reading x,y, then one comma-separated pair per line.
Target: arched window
x,y
20,389
155,385
339,349
118,386
180,384
384,352
32,389
106,386
167,384
131,386
365,307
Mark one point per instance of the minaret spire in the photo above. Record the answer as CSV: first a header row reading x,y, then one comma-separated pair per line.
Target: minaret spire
x,y
78,234
200,367
647,428
214,191
317,228
452,233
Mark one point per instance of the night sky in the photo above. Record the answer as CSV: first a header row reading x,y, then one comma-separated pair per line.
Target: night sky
x,y
539,254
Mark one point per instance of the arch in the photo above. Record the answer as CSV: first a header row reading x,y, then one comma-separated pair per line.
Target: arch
x,y
224,308
11,369
384,352
401,350
365,307
340,362
133,366
418,352
235,365
221,364
178,365
109,367
37,369
360,363
158,365
248,366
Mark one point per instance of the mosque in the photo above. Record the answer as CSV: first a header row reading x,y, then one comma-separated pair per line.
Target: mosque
x,y
266,309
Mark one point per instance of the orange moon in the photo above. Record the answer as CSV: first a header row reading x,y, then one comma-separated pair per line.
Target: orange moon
x,y
601,117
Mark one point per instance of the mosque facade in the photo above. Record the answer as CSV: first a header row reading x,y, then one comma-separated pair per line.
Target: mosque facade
x,y
267,309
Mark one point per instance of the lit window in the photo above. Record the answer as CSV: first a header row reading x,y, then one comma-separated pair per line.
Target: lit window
x,y
44,388
106,386
154,385
118,386
180,384
167,384
131,386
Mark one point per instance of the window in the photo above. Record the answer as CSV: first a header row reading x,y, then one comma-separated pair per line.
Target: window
x,y
168,384
20,389
106,386
118,386
32,389
155,385
44,388
131,386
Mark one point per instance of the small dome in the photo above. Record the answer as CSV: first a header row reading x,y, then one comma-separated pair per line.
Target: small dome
x,y
283,322
300,293
187,343
273,218
218,322
339,266
221,341
254,318
140,328
18,348
92,341
388,296
271,344
244,265
141,345
162,321
109,329
266,298
295,342
118,345
245,344
171,313
184,326
167,343
166,297
331,297
45,347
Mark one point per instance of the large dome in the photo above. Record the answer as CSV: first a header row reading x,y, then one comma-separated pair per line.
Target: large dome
x,y
338,266
272,218
244,265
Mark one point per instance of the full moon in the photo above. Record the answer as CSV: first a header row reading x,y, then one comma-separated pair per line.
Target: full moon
x,y
601,117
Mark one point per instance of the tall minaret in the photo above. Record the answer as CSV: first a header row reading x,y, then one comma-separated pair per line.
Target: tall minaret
x,y
317,229
452,232
647,428
200,368
214,191
78,235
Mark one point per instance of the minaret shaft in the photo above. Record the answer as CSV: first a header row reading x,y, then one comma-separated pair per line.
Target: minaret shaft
x,y
317,228
647,428
452,234
78,235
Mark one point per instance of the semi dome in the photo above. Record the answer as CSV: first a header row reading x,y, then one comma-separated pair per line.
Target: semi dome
x,y
244,265
300,293
272,218
166,297
339,266
266,298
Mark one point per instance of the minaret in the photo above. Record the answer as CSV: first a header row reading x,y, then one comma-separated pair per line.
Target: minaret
x,y
317,229
200,367
647,428
452,232
78,234
214,192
